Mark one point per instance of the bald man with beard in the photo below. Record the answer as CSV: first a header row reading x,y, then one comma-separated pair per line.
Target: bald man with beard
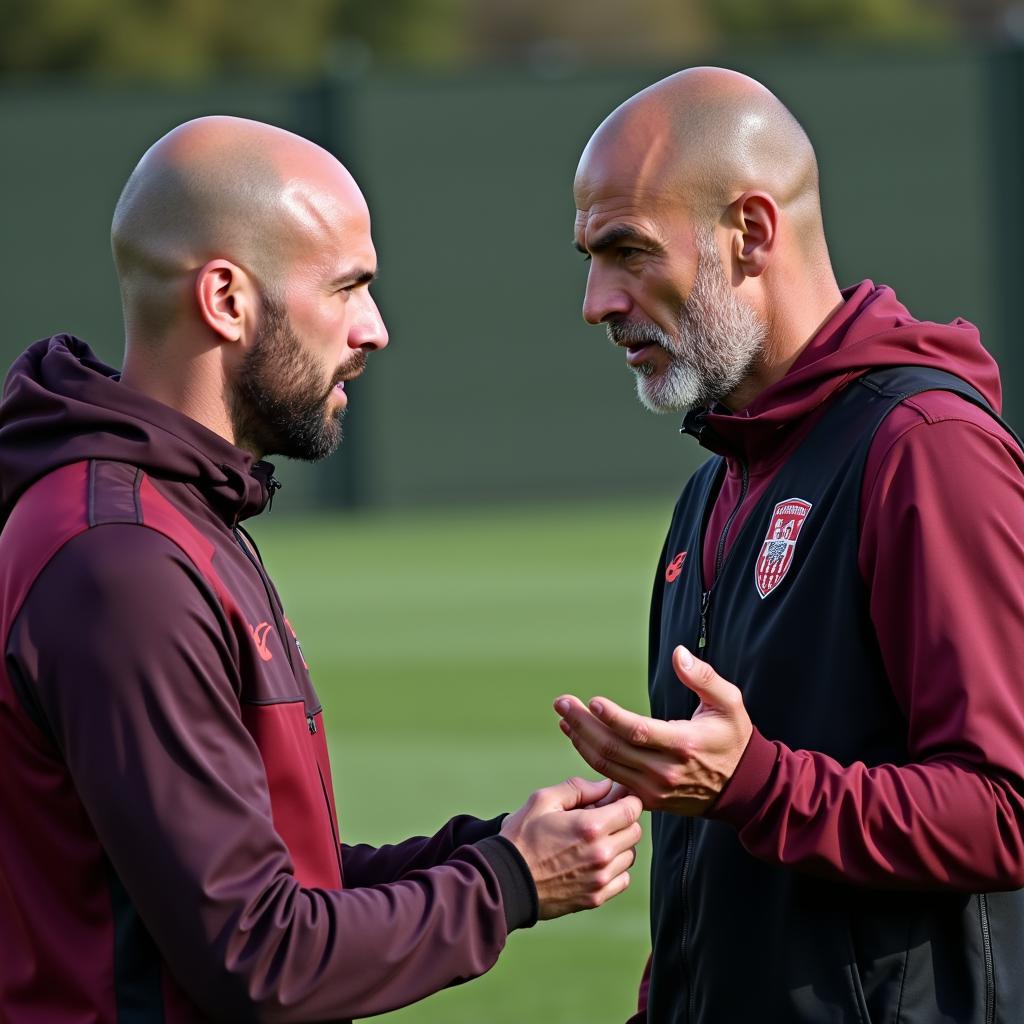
x,y
169,848
834,757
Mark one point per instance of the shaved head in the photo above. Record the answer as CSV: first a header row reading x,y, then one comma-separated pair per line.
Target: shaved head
x,y
708,135
697,203
245,256
218,187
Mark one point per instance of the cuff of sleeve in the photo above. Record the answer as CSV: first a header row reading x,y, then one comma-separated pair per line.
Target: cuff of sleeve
x,y
518,893
741,798
472,830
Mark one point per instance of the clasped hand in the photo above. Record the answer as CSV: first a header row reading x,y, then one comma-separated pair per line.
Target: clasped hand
x,y
678,766
578,840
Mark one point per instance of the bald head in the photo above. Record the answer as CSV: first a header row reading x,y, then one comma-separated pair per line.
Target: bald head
x,y
706,135
219,187
697,204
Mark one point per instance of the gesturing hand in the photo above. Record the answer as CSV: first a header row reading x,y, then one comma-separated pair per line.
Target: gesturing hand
x,y
578,853
678,766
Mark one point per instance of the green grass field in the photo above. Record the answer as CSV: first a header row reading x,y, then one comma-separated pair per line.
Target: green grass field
x,y
438,641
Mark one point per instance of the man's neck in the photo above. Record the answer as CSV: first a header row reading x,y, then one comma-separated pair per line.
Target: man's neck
x,y
789,333
200,394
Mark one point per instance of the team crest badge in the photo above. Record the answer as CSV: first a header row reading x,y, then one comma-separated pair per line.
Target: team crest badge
x,y
776,554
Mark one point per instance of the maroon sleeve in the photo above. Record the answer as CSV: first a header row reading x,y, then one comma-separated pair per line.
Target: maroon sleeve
x,y
942,554
127,648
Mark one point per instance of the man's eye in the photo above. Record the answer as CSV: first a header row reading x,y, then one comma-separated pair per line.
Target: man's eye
x,y
586,257
627,251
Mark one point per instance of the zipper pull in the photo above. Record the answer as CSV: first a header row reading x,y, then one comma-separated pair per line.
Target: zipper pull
x,y
705,601
311,722
273,485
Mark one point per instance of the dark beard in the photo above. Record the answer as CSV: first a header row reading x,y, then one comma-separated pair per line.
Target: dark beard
x,y
279,405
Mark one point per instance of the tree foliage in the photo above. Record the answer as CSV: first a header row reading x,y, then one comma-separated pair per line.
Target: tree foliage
x,y
181,40
830,19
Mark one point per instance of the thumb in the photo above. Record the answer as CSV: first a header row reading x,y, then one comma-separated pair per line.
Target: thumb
x,y
577,792
714,691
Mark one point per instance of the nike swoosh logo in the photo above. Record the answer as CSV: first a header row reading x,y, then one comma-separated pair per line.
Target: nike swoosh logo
x,y
260,636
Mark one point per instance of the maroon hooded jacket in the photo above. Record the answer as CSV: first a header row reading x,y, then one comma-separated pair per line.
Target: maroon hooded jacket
x,y
941,557
169,847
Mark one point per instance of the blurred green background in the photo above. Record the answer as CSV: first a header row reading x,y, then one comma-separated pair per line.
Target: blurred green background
x,y
486,537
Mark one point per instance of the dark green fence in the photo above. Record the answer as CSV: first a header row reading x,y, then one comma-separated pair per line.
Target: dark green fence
x,y
493,388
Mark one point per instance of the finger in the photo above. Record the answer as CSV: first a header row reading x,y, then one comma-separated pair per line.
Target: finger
x,y
699,676
613,818
568,703
617,792
591,791
576,792
637,730
623,862
626,813
624,841
605,751
619,884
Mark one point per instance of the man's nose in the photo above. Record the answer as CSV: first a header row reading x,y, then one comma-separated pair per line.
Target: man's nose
x,y
603,298
369,333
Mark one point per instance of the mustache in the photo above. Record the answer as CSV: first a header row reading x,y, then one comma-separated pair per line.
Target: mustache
x,y
352,369
629,334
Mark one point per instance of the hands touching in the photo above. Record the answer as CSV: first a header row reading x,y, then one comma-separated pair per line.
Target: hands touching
x,y
680,766
578,837
577,842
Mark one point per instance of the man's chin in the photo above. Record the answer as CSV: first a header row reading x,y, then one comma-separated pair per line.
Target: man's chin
x,y
663,393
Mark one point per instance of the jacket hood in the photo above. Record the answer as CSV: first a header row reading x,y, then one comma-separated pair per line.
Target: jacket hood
x,y
872,329
61,404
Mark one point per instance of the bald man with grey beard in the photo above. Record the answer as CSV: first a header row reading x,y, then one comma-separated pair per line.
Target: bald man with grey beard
x,y
834,753
169,844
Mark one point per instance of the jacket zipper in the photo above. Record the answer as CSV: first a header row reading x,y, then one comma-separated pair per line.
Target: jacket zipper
x,y
986,945
702,638
276,610
278,613
684,913
705,600
335,830
702,642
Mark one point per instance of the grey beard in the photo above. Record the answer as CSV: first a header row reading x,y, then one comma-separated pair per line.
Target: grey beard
x,y
719,338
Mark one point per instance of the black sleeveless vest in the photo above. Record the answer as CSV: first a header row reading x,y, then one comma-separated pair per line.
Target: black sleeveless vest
x,y
736,939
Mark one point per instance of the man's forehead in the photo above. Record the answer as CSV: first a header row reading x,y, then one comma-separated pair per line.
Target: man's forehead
x,y
321,206
628,148
631,186
633,208
328,232
328,227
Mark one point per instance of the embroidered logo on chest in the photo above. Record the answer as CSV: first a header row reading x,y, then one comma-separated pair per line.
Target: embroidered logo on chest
x,y
260,637
776,555
675,567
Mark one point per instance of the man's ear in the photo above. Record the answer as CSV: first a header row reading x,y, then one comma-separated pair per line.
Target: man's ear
x,y
755,216
226,299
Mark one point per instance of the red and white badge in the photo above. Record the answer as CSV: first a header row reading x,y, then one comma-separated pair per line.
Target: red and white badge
x,y
779,544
